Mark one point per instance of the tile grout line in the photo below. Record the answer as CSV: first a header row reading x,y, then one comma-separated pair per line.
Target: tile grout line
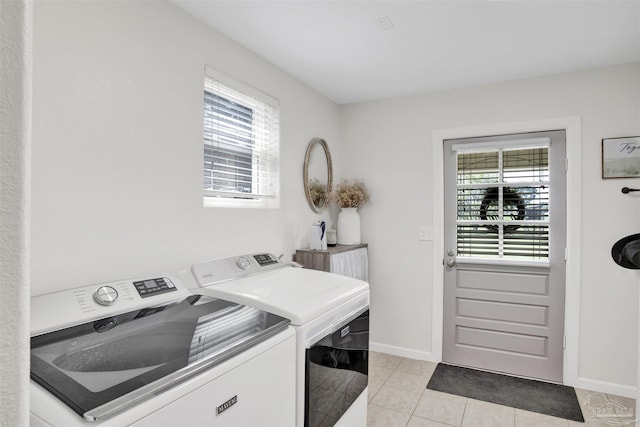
x,y
415,407
390,375
384,382
464,411
421,396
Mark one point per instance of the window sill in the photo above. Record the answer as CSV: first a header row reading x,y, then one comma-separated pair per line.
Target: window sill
x,y
217,202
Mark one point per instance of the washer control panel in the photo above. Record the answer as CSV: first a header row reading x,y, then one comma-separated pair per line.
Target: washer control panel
x,y
74,306
105,295
243,262
147,288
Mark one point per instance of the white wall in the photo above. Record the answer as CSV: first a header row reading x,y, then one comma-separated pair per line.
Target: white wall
x,y
117,145
395,136
15,142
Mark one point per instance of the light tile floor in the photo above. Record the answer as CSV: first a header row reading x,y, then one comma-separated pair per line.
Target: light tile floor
x,y
398,397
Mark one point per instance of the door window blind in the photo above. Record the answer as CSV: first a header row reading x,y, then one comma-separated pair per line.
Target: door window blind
x,y
241,143
503,202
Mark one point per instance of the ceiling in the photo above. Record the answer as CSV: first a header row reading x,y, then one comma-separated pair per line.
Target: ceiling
x,y
346,51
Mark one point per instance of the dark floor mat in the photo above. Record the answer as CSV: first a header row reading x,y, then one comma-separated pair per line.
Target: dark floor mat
x,y
530,395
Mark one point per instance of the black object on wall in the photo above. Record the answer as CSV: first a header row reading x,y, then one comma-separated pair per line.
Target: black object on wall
x,y
627,190
626,252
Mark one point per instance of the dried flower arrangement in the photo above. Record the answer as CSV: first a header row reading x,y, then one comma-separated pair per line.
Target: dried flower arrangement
x,y
318,192
350,195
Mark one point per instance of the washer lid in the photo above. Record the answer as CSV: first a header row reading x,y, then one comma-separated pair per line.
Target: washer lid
x,y
102,367
298,294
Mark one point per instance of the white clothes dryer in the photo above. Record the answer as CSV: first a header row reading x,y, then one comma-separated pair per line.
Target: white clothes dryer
x,y
330,314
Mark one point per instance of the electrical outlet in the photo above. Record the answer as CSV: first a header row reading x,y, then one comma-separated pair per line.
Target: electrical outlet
x,y
425,232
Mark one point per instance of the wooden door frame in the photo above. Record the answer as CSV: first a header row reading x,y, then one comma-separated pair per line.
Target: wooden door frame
x,y
572,126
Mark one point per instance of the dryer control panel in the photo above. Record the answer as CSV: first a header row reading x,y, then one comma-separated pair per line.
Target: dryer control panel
x,y
219,270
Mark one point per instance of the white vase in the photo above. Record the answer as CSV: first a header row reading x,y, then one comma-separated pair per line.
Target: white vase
x,y
348,226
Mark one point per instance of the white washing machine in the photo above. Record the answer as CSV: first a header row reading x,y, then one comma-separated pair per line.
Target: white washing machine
x,y
330,314
149,352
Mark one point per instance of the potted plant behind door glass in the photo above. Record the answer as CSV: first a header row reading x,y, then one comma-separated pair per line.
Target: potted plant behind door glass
x,y
349,197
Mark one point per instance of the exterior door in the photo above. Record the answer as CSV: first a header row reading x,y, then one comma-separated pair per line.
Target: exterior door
x,y
505,240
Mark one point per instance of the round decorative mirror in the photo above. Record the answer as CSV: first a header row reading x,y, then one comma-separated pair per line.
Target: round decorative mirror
x,y
318,174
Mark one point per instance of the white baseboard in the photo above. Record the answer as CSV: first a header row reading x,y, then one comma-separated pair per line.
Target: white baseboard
x,y
606,387
402,352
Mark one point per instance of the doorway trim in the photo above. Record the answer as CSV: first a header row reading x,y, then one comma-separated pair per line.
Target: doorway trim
x,y
572,126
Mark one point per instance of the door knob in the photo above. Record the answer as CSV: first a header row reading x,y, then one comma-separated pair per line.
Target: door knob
x,y
451,262
451,252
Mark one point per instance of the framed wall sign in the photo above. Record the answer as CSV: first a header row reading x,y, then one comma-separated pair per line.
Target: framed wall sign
x,y
621,157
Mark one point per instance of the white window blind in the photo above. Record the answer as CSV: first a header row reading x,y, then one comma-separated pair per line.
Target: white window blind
x,y
241,144
503,202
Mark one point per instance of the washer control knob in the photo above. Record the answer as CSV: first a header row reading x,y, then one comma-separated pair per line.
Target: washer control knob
x,y
105,295
243,262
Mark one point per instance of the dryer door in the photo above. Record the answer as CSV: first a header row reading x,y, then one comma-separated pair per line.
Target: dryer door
x,y
336,372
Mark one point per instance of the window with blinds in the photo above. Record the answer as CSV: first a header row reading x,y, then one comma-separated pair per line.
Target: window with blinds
x,y
241,144
503,203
